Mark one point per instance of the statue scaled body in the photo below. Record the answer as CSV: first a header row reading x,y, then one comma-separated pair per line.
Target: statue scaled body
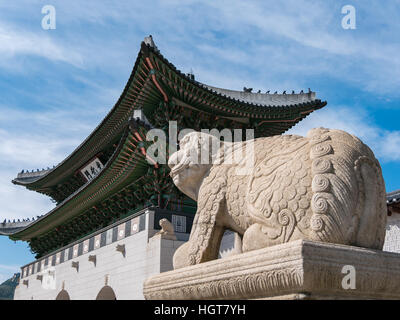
x,y
325,187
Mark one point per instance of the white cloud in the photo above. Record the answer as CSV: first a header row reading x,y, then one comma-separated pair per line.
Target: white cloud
x,y
8,267
15,42
19,203
32,150
296,38
384,143
7,271
300,40
3,277
33,140
390,145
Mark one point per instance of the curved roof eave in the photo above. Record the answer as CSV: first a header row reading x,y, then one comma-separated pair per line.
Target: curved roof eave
x,y
92,134
247,98
21,233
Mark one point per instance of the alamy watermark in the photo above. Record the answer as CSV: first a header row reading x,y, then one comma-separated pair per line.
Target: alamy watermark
x,y
202,148
349,280
349,20
49,20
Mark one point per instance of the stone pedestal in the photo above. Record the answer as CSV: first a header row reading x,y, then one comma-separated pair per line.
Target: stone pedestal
x,y
295,270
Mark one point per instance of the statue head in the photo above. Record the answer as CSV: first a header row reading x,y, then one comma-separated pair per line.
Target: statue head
x,y
192,162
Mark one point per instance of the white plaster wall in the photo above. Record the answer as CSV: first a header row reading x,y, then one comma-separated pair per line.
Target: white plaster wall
x,y
146,255
125,275
392,239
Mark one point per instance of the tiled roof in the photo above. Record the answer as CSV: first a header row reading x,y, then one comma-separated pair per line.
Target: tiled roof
x,y
119,172
393,197
266,99
8,228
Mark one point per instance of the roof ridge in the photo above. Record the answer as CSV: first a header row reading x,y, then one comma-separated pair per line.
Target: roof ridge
x,y
146,47
395,192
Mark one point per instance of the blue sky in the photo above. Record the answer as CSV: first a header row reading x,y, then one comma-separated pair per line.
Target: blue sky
x,y
57,85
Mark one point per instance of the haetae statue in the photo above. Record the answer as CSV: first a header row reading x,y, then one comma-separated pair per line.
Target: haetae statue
x,y
167,229
325,187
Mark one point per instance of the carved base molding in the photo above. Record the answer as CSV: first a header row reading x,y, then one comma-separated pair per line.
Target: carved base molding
x,y
295,270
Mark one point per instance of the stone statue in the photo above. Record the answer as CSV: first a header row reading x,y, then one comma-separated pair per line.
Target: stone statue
x,y
167,229
325,187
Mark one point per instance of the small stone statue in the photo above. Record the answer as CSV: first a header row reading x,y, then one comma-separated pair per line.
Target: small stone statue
x,y
325,187
167,229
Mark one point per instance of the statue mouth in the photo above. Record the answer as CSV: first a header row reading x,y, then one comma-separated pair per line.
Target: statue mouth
x,y
176,169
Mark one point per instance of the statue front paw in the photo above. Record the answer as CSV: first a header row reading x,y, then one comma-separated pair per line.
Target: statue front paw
x,y
181,257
